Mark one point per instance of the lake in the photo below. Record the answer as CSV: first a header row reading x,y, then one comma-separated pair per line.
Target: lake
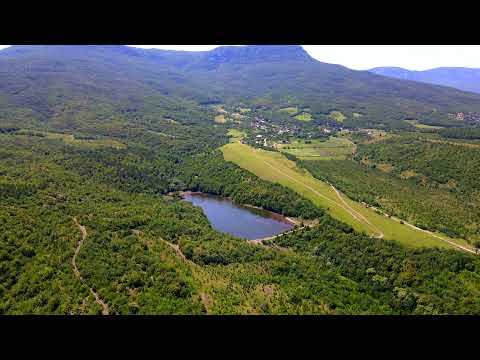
x,y
240,221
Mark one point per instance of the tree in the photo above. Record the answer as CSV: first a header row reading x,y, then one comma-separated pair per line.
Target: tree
x,y
476,244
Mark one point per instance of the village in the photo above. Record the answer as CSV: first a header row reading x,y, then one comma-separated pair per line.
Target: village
x,y
267,134
472,118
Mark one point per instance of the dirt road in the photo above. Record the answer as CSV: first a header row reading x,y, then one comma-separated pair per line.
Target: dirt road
x,y
98,300
346,207
359,216
380,233
470,250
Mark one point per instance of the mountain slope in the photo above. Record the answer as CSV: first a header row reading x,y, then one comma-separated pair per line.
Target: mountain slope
x,y
465,79
78,86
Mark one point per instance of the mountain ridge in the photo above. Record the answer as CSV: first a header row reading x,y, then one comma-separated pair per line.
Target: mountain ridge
x,y
37,83
462,78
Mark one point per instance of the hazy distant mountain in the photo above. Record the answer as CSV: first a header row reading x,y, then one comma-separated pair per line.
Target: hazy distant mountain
x,y
461,78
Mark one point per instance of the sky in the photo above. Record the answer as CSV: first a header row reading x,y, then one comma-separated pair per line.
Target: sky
x,y
363,57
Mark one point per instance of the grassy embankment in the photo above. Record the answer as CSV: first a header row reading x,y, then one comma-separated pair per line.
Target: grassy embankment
x,y
273,166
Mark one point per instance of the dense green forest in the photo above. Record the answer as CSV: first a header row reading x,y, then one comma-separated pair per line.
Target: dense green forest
x,y
128,260
96,142
455,167
407,281
119,86
461,133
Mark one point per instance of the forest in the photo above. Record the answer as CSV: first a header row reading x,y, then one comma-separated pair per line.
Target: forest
x,y
460,133
96,143
128,259
442,165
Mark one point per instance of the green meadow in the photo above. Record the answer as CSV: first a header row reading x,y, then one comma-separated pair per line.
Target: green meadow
x,y
275,167
335,148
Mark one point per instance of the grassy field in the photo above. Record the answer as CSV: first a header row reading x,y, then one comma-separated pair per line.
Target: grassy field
x,y
220,109
220,119
289,110
273,166
235,135
334,148
374,135
304,117
422,126
71,140
337,116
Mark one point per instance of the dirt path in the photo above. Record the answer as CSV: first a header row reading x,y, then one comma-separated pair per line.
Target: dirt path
x,y
380,233
470,250
443,239
357,216
260,241
206,299
177,250
469,145
98,300
362,218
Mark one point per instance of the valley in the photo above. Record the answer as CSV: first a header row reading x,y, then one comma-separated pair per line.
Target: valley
x,y
324,190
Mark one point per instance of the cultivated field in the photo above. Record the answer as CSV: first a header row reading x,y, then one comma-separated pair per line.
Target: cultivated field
x,y
337,116
304,116
236,135
273,166
335,148
289,110
220,119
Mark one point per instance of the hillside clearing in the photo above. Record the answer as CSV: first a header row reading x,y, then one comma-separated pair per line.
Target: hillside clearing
x,y
422,126
304,116
289,110
236,135
273,166
71,140
220,119
337,116
335,148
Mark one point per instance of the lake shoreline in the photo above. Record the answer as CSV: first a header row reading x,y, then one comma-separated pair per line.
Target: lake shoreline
x,y
241,224
288,220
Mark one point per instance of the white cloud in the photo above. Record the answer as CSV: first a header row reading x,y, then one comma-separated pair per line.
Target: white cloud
x,y
413,57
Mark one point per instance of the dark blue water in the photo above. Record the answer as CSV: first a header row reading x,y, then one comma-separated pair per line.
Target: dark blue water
x,y
240,221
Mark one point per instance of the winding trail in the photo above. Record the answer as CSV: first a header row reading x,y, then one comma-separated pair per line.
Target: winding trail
x,y
98,300
206,299
177,250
